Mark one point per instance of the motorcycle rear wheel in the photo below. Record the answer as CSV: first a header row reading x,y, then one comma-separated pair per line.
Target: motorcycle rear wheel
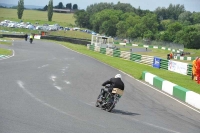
x,y
109,109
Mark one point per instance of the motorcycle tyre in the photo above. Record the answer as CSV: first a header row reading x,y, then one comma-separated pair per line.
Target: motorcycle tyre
x,y
97,103
111,107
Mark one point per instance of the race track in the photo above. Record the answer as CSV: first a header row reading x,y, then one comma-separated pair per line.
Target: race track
x,y
46,88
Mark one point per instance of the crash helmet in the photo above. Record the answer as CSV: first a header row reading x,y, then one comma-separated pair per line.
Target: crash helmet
x,y
118,76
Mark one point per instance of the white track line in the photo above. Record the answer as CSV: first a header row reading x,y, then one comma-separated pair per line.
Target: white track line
x,y
21,85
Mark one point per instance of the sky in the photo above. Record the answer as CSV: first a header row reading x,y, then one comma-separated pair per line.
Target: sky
x,y
190,5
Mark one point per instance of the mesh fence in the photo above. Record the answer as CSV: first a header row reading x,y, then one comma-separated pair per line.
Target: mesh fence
x,y
152,42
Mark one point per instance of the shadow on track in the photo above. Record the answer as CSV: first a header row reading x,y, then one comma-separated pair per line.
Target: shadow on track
x,y
115,111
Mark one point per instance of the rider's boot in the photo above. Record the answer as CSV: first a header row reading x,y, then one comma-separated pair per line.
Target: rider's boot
x,y
100,99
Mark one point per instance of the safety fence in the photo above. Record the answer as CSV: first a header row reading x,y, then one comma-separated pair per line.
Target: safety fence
x,y
160,47
145,59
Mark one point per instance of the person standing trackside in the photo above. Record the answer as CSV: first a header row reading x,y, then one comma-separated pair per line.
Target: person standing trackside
x,y
194,74
198,70
26,36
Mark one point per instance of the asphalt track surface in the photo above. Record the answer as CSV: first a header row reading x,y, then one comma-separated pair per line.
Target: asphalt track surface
x,y
46,88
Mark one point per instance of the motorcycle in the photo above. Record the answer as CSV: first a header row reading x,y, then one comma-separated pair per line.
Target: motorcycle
x,y
110,100
31,40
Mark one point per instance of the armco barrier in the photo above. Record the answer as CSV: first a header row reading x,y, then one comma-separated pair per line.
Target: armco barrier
x,y
176,91
56,38
67,39
13,35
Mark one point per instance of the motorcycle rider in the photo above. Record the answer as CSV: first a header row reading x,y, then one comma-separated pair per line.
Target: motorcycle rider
x,y
115,82
26,36
31,38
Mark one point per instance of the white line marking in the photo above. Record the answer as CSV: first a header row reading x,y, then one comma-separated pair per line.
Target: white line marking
x,y
67,82
53,78
44,66
58,87
155,126
21,85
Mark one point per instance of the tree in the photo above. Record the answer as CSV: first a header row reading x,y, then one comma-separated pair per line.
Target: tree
x,y
105,21
82,18
185,17
196,17
69,5
124,7
95,8
60,5
20,8
75,7
45,8
173,11
50,10
189,36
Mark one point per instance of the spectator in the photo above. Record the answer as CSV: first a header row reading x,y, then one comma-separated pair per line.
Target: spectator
x,y
168,56
198,70
26,36
171,55
194,74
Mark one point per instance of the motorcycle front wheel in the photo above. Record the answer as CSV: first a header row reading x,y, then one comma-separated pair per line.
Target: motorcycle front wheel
x,y
97,103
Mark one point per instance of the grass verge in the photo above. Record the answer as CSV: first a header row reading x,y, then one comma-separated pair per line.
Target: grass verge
x,y
5,52
5,41
135,69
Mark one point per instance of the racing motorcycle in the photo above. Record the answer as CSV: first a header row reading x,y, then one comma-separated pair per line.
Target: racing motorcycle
x,y
110,99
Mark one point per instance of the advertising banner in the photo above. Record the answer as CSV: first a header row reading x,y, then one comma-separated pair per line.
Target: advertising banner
x,y
178,67
156,62
37,36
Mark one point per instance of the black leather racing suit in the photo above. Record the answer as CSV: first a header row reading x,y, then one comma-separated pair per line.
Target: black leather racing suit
x,y
114,83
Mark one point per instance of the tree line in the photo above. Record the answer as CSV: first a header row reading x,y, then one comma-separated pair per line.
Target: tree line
x,y
172,24
61,6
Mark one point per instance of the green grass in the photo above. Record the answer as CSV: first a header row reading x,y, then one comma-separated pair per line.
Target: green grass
x,y
73,34
6,41
64,19
5,52
136,69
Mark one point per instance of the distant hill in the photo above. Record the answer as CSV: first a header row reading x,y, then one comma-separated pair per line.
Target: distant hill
x,y
26,6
